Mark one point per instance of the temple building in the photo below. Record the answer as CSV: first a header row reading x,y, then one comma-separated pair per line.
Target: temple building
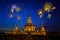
x,y
42,31
29,27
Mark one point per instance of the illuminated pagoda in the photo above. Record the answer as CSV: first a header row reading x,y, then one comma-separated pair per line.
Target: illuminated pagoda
x,y
15,30
29,27
43,31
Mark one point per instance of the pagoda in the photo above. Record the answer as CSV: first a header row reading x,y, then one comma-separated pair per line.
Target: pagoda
x,y
29,27
15,30
42,31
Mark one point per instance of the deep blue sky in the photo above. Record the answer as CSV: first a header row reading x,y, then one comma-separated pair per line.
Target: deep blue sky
x,y
29,7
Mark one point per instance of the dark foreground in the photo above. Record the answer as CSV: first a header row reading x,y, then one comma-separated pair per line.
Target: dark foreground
x,y
29,37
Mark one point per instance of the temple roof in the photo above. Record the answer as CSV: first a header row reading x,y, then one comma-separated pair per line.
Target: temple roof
x,y
29,24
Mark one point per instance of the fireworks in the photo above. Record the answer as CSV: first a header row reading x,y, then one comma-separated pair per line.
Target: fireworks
x,y
41,16
40,12
16,8
53,8
18,17
13,9
10,15
47,7
49,16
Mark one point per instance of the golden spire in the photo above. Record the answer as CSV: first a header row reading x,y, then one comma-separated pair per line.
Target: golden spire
x,y
42,28
29,20
16,28
43,31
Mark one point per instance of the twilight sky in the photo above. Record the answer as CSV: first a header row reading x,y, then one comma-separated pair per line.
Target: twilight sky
x,y
29,7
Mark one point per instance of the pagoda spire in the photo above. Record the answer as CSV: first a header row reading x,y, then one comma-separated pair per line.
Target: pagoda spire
x,y
43,31
16,26
42,28
15,30
29,19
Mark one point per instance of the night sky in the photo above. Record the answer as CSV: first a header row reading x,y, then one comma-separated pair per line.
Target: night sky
x,y
29,7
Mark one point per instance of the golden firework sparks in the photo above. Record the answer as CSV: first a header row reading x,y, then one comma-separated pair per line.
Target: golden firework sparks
x,y
40,12
47,7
